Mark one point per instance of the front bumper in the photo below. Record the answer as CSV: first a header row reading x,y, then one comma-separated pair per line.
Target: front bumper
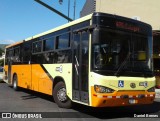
x,y
121,98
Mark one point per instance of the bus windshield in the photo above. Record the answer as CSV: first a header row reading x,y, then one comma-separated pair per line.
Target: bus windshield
x,y
121,53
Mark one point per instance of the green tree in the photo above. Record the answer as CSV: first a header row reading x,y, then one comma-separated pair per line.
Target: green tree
x,y
1,51
2,62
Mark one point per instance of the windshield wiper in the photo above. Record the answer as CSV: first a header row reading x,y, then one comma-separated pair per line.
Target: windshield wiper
x,y
123,64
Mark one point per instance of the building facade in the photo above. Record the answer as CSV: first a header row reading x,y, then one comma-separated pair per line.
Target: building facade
x,y
89,7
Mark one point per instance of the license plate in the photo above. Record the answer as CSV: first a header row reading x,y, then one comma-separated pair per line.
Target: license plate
x,y
132,101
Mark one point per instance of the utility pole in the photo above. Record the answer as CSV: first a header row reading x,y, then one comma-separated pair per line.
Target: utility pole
x,y
74,7
61,1
74,13
68,7
54,10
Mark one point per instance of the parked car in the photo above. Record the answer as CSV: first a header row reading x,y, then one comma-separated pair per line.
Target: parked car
x,y
1,74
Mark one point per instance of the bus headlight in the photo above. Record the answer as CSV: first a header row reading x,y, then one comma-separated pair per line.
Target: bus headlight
x,y
151,89
102,89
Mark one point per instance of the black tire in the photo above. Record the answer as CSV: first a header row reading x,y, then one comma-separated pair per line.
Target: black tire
x,y
15,83
62,101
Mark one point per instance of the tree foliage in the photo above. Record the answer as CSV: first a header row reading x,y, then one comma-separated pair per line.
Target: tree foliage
x,y
2,62
1,51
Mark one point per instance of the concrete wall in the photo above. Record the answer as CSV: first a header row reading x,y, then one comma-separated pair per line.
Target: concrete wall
x,y
88,8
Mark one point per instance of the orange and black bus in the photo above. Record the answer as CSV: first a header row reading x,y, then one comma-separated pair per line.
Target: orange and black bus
x,y
99,60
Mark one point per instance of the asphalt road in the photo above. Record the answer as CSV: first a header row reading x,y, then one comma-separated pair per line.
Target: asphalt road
x,y
25,102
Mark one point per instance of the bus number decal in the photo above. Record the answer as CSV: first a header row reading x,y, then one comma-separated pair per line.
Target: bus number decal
x,y
60,69
145,84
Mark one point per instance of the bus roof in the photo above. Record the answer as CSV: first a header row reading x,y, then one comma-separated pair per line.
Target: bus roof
x,y
17,43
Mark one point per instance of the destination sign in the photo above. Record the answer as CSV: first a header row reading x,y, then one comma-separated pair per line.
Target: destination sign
x,y
127,26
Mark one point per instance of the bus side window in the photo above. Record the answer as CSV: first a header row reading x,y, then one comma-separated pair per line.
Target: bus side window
x,y
6,57
37,47
63,47
64,56
48,44
16,54
27,53
63,41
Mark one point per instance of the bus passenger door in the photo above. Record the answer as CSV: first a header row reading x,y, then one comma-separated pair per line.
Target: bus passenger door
x,y
80,66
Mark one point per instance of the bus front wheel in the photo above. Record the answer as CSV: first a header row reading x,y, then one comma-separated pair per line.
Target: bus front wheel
x,y
60,96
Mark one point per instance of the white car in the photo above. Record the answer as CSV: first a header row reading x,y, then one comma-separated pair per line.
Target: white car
x,y
1,74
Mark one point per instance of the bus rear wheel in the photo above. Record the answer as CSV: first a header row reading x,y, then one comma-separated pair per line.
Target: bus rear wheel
x,y
15,82
60,96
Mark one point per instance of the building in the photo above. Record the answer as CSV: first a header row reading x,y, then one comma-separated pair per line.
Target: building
x,y
89,7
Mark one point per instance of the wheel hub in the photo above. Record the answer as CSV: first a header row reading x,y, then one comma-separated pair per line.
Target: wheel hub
x,y
15,84
61,94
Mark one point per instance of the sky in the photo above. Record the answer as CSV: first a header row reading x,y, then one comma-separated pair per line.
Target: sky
x,y
20,19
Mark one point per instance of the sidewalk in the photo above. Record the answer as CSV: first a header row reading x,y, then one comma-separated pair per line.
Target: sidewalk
x,y
157,93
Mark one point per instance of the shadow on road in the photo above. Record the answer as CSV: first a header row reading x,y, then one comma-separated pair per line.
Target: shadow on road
x,y
29,94
28,97
118,112
82,111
